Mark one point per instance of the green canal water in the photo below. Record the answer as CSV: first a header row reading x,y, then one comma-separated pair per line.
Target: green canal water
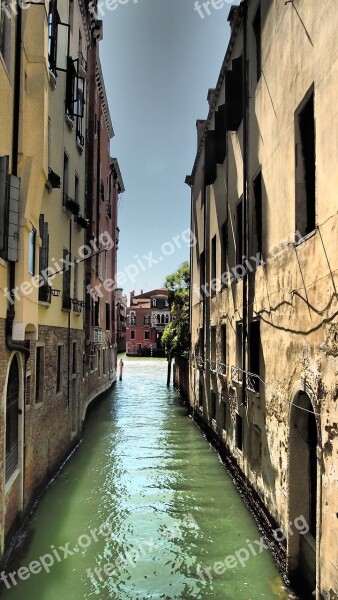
x,y
142,506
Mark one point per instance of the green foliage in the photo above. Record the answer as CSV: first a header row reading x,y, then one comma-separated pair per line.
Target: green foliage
x,y
176,335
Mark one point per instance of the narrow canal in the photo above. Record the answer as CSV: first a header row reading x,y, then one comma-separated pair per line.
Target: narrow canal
x,y
141,510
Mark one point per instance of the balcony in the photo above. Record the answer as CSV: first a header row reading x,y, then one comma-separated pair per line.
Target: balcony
x,y
70,204
81,221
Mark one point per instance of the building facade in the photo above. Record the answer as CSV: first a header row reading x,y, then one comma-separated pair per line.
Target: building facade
x,y
147,317
47,238
264,354
121,320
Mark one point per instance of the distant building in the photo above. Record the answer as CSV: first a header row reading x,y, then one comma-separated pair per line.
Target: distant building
x,y
147,317
121,320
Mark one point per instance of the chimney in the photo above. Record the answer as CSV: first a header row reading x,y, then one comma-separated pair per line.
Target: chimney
x,y
200,126
211,96
234,14
141,292
132,294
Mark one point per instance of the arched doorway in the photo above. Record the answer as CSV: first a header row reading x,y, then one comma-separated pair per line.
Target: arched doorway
x,y
303,475
12,419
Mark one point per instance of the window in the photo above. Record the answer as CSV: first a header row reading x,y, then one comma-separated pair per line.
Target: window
x,y
257,28
213,346
254,355
147,320
239,231
76,305
59,370
224,251
305,155
213,264
201,342
202,274
239,346
77,190
255,448
224,345
200,395
132,319
224,424
107,316
132,335
31,252
212,405
99,363
66,299
258,229
65,176
153,302
74,371
57,40
97,312
146,335
44,289
104,361
239,432
5,33
28,390
12,419
39,374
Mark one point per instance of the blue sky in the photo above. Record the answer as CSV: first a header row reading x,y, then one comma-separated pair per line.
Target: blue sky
x,y
159,57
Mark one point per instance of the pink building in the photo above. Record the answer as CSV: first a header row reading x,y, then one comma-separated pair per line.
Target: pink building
x,y
147,317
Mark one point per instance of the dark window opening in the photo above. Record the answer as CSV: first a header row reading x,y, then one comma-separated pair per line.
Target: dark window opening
x,y
213,264
234,95
44,289
224,424
200,395
146,335
224,253
132,335
239,346
313,472
66,299
212,405
224,345
107,316
210,164
239,232
257,188
32,252
213,346
201,342
257,28
305,168
97,313
39,373
239,432
254,355
202,274
12,419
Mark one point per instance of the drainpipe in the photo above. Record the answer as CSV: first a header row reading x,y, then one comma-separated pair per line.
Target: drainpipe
x,y
245,195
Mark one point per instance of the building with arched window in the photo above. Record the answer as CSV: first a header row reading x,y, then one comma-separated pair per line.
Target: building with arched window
x,y
147,317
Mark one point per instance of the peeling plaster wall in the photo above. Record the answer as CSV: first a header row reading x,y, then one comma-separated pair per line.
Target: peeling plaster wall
x,y
295,293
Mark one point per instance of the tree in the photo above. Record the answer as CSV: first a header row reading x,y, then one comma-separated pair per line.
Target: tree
x,y
176,335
